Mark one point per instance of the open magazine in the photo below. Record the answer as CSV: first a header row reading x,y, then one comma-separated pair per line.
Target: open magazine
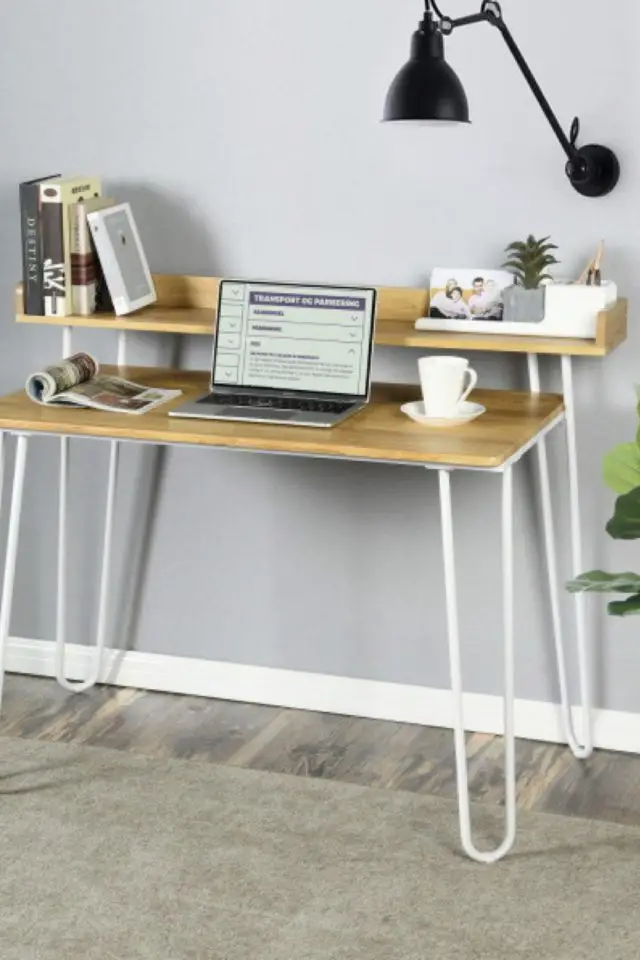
x,y
77,380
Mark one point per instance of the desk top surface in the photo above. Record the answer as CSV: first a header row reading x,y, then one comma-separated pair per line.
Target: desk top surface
x,y
379,432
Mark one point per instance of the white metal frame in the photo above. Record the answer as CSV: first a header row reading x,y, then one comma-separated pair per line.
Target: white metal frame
x,y
105,575
455,660
8,580
581,749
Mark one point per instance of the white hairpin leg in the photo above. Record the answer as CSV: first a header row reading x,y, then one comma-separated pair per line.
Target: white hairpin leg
x,y
105,575
67,345
579,599
456,670
122,348
583,748
12,551
2,464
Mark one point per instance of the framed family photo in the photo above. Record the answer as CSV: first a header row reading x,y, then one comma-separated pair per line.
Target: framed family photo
x,y
468,295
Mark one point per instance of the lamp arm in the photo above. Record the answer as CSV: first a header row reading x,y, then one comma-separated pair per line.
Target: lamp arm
x,y
492,14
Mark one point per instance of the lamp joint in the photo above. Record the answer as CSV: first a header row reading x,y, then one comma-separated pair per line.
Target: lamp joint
x,y
492,10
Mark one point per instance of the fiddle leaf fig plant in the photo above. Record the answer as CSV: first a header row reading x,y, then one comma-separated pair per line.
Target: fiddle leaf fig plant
x,y
529,260
621,468
621,471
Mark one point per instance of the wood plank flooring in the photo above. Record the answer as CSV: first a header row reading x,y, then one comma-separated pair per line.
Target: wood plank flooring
x,y
369,752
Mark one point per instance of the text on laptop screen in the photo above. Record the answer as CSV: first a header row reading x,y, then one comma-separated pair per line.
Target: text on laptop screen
x,y
287,337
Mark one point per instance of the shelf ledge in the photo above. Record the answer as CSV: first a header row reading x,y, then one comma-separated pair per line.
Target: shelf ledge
x,y
186,305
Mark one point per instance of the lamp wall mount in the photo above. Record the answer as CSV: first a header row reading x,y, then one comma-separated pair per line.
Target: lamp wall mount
x,y
593,170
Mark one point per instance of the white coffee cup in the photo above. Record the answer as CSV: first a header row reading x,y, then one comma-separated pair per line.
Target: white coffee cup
x,y
446,382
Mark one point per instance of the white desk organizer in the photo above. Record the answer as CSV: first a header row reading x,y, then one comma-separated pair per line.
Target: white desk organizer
x,y
571,310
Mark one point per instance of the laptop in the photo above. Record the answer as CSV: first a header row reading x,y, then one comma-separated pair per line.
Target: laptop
x,y
289,353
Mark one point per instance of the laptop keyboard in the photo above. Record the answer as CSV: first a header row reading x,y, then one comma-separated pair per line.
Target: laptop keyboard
x,y
278,403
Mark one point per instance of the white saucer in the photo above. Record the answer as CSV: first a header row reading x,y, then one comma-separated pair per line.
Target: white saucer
x,y
465,413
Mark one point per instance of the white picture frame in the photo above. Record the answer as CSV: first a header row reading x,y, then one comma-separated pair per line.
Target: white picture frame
x,y
122,258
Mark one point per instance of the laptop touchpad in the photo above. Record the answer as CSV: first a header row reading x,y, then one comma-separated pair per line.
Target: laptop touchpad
x,y
244,413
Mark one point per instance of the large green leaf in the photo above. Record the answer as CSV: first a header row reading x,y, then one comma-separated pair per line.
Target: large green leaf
x,y
621,468
597,581
625,522
625,608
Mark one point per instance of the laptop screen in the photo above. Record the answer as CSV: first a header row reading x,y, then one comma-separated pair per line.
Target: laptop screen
x,y
281,336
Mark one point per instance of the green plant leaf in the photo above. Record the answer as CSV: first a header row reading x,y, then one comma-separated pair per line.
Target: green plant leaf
x,y
544,261
625,523
625,608
597,581
528,260
513,265
637,389
621,468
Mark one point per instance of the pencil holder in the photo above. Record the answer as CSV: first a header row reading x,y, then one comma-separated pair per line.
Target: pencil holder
x,y
572,309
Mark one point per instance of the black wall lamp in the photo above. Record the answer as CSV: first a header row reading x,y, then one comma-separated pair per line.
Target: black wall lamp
x,y
427,89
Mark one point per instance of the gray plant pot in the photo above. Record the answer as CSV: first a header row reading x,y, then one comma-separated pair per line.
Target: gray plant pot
x,y
523,306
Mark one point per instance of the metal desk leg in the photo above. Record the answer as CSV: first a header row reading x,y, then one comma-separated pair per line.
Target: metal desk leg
x,y
2,452
12,551
582,750
105,575
456,670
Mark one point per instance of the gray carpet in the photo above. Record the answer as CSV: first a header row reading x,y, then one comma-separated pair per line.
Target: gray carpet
x,y
109,856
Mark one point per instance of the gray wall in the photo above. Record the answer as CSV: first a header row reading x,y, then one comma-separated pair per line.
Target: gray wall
x,y
246,136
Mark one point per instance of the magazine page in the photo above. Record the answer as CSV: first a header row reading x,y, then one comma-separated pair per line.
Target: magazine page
x,y
45,385
115,395
77,380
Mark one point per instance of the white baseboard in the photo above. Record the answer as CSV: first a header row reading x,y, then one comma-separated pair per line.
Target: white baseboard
x,y
535,720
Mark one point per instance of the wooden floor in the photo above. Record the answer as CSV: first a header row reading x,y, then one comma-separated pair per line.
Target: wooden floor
x,y
371,752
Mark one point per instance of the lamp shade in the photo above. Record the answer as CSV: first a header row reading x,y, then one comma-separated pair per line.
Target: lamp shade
x,y
427,88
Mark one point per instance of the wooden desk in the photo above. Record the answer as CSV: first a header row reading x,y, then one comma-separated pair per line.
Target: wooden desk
x,y
513,424
379,432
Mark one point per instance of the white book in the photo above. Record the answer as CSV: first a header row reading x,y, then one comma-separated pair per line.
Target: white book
x,y
122,258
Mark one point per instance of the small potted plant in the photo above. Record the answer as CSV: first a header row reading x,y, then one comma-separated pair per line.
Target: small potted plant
x,y
529,261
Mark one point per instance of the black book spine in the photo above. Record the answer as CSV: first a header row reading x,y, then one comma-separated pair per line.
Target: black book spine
x,y
104,303
31,226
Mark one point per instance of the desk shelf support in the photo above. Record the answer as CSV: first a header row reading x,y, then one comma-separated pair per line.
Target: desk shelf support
x,y
582,748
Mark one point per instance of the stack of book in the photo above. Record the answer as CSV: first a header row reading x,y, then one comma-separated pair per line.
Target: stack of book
x,y
81,252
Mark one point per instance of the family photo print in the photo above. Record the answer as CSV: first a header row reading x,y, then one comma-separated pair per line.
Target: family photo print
x,y
468,294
